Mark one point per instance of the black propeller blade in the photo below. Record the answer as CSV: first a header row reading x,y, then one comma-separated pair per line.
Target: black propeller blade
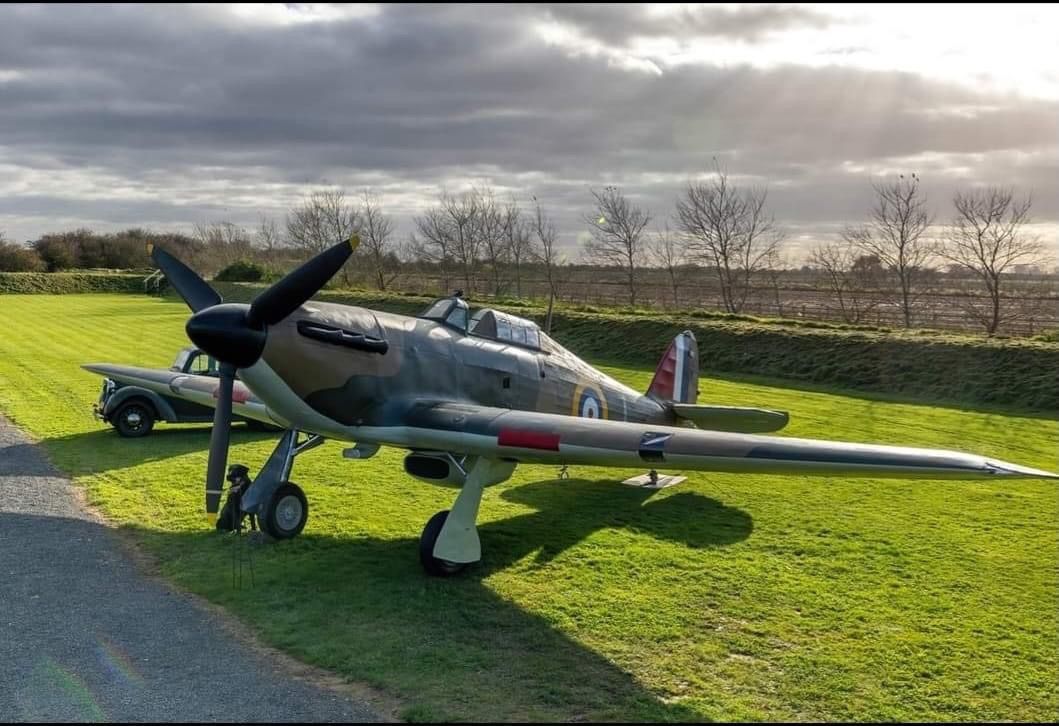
x,y
196,292
219,436
235,334
297,286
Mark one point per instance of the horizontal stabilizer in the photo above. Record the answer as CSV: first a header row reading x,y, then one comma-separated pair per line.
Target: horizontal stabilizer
x,y
732,418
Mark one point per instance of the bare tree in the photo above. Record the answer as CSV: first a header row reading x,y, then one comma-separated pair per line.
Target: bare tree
x,y
731,231
376,242
267,238
667,251
848,277
773,269
493,231
896,236
547,253
987,239
322,218
224,242
617,229
520,241
432,243
453,232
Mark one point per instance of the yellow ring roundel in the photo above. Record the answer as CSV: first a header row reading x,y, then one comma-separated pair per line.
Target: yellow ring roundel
x,y
589,402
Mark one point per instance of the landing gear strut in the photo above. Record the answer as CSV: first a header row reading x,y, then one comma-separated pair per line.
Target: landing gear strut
x,y
280,505
449,542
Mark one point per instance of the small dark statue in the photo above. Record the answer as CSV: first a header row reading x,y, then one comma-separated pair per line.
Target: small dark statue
x,y
232,515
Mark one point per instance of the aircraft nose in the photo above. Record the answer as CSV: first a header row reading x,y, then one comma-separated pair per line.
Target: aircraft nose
x,y
225,332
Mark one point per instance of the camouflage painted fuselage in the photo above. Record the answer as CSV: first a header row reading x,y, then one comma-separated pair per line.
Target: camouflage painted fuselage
x,y
430,360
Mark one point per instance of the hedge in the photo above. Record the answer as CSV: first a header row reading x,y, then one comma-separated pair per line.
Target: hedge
x,y
65,283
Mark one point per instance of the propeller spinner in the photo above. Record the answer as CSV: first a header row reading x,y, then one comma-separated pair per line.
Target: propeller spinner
x,y
235,333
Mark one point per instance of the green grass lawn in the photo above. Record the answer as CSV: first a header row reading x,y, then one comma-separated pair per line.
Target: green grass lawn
x,y
727,597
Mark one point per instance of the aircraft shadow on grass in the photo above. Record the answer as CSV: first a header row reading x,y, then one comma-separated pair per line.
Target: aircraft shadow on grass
x,y
478,639
569,511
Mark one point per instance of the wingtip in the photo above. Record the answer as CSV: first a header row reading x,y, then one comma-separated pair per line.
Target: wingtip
x,y
1004,468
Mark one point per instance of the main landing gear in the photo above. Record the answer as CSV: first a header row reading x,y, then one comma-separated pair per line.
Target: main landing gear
x,y
280,505
449,542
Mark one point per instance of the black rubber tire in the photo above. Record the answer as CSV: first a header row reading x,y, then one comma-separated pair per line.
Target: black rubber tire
x,y
276,523
431,564
131,410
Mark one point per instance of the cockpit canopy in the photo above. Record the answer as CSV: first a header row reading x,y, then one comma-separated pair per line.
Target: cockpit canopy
x,y
486,323
489,323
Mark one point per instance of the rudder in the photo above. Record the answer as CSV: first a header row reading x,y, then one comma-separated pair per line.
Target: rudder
x,y
677,376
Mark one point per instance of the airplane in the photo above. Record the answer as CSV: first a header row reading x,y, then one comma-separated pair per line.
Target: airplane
x,y
470,398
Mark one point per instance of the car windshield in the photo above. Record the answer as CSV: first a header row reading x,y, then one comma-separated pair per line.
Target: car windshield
x,y
181,360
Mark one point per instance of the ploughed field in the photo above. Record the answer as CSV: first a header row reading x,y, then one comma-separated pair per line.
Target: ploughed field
x,y
725,597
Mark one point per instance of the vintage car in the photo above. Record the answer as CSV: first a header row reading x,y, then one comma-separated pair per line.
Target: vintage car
x,y
132,409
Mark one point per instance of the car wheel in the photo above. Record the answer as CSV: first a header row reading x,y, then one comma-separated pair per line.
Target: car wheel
x,y
133,420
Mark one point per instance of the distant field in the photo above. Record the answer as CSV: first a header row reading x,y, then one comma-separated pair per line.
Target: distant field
x,y
727,597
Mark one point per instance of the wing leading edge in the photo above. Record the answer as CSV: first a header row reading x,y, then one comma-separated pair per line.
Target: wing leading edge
x,y
548,438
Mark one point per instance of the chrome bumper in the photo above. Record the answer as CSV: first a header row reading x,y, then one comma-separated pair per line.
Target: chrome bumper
x,y
99,408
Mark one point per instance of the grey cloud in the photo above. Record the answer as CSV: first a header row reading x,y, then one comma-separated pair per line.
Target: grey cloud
x,y
616,25
418,97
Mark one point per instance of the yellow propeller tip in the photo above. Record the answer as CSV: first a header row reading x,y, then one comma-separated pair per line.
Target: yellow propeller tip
x,y
354,241
150,247
211,517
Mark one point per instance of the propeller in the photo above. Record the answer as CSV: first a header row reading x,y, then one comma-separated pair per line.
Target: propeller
x,y
235,333
196,292
219,436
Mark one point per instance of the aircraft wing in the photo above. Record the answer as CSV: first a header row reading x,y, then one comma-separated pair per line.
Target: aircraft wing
x,y
549,438
185,386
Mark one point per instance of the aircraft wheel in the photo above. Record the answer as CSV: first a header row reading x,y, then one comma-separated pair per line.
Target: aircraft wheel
x,y
427,540
133,420
286,513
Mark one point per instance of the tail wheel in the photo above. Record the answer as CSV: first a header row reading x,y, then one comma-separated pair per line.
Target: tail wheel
x,y
286,513
434,565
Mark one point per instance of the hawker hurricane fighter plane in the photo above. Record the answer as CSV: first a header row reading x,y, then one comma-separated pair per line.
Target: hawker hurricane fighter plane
x,y
470,398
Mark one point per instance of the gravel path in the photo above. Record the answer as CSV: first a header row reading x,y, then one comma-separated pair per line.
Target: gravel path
x,y
85,635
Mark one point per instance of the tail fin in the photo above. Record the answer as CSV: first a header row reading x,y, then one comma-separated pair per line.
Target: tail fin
x,y
677,376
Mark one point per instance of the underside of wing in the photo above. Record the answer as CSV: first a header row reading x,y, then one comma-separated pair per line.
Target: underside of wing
x,y
548,438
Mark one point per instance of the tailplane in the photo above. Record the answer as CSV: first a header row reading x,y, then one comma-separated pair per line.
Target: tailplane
x,y
677,376
676,384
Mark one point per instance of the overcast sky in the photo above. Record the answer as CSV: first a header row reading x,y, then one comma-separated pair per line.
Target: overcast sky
x,y
168,116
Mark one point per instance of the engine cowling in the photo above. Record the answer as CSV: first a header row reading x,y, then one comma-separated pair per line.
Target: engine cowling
x,y
435,467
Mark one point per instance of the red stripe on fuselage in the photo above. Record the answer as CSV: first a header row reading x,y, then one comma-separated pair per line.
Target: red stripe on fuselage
x,y
528,439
